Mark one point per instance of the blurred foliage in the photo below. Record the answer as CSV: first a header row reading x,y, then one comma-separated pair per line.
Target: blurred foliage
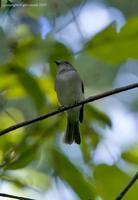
x,y
105,44
81,184
33,156
129,9
131,155
117,179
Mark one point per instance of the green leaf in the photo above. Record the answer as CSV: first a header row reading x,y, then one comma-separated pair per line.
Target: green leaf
x,y
131,155
69,173
90,137
28,51
5,52
2,100
28,177
112,47
23,157
97,76
56,51
37,179
94,113
86,151
110,181
31,86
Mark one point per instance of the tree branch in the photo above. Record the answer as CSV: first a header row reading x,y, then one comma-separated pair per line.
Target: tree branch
x,y
129,185
14,197
62,109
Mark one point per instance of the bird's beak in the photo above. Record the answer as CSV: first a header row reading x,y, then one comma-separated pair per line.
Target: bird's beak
x,y
57,62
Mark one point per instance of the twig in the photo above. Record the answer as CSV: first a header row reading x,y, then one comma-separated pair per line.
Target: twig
x,y
129,185
75,21
62,109
71,20
14,197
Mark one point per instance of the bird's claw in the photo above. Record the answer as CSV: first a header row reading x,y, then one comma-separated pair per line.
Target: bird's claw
x,y
60,108
75,103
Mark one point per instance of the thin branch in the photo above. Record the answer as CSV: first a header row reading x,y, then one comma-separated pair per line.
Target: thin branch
x,y
14,197
129,185
71,20
62,109
75,21
10,116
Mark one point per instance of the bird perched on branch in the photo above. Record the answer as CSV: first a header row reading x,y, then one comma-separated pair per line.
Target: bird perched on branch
x,y
70,90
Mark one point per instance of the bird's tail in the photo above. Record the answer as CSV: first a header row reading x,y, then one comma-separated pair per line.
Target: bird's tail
x,y
72,131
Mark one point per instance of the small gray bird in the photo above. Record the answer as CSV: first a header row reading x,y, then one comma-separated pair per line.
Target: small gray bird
x,y
70,90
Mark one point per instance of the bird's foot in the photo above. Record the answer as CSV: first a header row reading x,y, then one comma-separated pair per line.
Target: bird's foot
x,y
75,103
60,108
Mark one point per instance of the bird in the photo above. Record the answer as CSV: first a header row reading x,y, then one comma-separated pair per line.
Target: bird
x,y
70,90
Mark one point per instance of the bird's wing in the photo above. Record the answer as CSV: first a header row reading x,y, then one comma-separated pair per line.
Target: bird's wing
x,y
82,87
81,110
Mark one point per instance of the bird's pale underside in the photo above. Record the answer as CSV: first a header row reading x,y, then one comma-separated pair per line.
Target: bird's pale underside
x,y
69,89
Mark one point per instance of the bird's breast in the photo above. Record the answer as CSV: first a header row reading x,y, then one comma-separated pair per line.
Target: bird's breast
x,y
68,88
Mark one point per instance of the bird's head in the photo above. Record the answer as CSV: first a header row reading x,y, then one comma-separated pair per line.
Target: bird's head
x,y
62,63
64,66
